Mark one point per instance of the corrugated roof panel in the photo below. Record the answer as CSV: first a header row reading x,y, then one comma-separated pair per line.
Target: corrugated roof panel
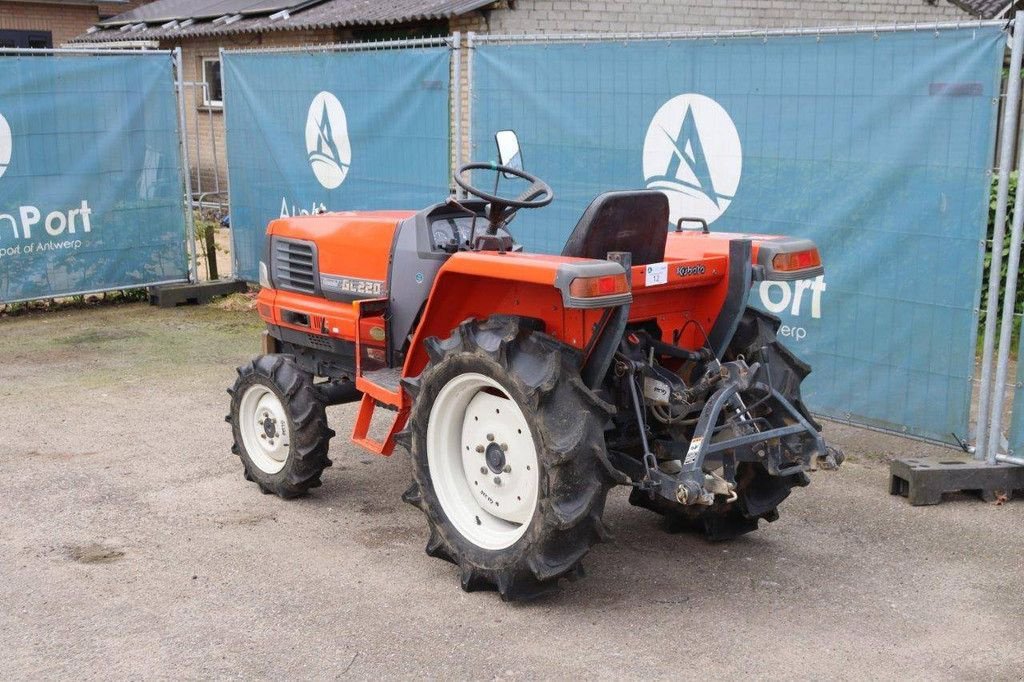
x,y
323,14
162,11
271,6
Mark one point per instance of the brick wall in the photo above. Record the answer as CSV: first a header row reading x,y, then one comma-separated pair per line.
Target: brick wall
x,y
110,9
63,21
601,16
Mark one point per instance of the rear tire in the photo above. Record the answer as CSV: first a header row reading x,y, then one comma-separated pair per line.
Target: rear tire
x,y
551,424
279,426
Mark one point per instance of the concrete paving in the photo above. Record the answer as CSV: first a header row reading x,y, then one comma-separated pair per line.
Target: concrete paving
x,y
131,547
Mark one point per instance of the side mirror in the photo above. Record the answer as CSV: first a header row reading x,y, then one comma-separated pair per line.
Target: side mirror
x,y
509,153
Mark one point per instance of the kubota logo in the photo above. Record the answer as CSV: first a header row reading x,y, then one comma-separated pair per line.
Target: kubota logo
x,y
330,153
692,153
5,145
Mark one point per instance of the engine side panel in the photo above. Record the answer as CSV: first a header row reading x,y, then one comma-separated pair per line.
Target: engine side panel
x,y
353,249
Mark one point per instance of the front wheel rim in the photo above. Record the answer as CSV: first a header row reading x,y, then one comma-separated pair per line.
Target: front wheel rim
x,y
264,427
483,461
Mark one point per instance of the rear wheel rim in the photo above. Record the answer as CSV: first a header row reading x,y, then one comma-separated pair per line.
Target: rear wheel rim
x,y
264,427
483,461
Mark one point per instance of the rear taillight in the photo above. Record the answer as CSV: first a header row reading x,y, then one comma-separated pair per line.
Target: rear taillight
x,y
594,287
796,260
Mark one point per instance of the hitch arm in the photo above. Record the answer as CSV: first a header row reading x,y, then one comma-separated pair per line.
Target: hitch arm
x,y
701,447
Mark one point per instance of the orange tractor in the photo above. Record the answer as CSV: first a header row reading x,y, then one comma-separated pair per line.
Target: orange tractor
x,y
525,385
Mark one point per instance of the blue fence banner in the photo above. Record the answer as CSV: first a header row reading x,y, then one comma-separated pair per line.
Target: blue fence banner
x,y
91,184
879,146
316,131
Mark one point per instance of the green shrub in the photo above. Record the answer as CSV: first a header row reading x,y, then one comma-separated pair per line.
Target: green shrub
x,y
1019,305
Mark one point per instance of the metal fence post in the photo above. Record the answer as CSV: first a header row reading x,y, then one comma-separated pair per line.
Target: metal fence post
x,y
1009,308
190,238
224,126
1006,325
995,271
470,43
456,51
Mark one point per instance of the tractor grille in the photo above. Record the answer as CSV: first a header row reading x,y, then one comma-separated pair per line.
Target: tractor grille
x,y
294,265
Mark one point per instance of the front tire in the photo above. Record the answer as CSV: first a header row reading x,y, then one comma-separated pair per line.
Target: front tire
x,y
503,436
279,426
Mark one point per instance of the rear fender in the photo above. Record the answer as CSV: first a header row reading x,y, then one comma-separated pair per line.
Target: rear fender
x,y
751,258
478,285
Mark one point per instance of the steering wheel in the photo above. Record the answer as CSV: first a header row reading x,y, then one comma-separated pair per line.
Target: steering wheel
x,y
537,195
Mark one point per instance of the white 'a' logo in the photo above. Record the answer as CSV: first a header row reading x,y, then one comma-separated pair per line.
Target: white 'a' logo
x,y
692,153
327,144
5,144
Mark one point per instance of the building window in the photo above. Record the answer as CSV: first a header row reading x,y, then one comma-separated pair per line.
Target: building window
x,y
213,93
22,39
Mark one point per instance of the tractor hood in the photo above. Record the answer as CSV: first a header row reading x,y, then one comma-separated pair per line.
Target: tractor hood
x,y
349,252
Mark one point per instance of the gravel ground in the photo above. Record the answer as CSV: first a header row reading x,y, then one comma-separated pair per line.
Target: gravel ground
x,y
132,548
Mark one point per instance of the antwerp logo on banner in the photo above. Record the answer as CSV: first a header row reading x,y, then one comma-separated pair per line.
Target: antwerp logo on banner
x,y
692,153
28,222
330,153
6,142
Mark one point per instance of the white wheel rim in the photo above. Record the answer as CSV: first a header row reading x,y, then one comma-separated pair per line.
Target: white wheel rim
x,y
483,461
264,426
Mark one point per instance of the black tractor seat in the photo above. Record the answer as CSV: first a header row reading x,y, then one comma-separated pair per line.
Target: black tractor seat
x,y
631,220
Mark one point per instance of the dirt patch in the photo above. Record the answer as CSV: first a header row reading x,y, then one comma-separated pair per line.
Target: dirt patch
x,y
237,302
384,536
376,507
245,519
94,553
58,456
99,336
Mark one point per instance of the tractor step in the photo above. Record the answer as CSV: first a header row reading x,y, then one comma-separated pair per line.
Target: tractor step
x,y
388,378
364,420
924,480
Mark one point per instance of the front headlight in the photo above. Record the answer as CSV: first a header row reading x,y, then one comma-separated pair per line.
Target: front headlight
x,y
264,276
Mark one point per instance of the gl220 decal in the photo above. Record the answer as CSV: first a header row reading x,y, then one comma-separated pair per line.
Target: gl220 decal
x,y
359,288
